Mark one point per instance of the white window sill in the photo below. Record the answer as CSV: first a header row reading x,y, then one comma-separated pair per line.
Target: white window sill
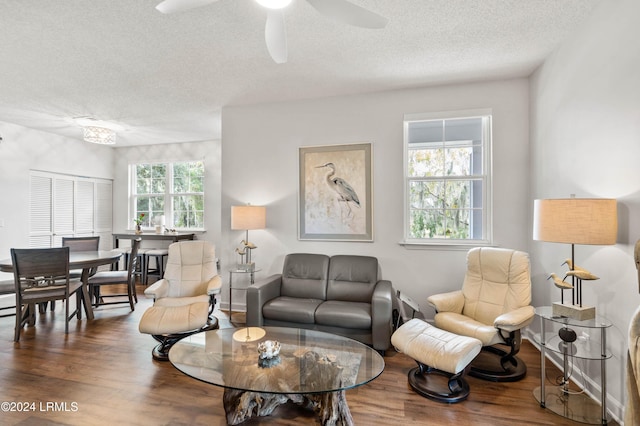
x,y
444,244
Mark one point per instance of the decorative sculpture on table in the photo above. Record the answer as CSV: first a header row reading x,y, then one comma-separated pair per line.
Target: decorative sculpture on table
x,y
561,284
268,353
576,272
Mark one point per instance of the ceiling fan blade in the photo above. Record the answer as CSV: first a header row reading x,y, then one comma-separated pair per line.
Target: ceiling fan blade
x,y
173,6
275,34
348,13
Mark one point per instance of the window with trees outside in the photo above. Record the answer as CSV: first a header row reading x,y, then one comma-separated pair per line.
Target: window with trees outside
x,y
172,193
447,172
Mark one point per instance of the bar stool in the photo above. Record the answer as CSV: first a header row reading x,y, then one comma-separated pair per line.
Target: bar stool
x,y
159,255
141,264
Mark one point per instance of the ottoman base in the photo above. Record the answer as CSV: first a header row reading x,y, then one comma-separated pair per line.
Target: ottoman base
x,y
439,385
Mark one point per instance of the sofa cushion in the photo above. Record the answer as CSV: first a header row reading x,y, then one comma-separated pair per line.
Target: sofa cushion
x,y
352,278
291,309
344,314
305,276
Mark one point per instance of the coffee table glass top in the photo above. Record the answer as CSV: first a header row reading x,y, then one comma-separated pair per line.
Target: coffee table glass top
x,y
309,361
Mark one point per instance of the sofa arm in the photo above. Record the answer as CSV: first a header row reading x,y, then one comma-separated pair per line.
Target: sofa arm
x,y
257,295
447,302
381,315
516,319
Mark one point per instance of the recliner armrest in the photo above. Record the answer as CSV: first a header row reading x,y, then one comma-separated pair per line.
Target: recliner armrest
x,y
214,285
452,301
515,320
157,290
258,294
381,314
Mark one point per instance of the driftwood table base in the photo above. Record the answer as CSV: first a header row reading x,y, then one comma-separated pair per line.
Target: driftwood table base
x,y
316,371
331,407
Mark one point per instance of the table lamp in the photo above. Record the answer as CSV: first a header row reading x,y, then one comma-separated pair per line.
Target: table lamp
x,y
592,221
246,218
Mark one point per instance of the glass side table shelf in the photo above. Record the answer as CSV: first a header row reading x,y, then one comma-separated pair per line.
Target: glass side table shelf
x,y
232,271
556,336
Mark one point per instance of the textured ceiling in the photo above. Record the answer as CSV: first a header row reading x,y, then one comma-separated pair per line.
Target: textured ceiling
x,y
165,78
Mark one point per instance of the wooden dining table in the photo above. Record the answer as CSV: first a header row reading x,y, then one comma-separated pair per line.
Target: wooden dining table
x,y
84,260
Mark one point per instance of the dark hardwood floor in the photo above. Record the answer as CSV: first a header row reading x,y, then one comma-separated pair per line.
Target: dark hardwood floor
x,y
102,373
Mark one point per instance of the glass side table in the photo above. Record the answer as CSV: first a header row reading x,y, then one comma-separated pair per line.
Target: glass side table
x,y
232,271
556,335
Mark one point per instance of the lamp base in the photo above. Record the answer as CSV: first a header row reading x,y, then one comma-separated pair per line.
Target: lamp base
x,y
576,312
249,267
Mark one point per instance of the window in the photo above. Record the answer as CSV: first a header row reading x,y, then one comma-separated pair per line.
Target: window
x,y
169,192
447,174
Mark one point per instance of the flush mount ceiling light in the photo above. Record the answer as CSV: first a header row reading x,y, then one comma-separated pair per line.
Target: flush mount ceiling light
x,y
100,135
98,131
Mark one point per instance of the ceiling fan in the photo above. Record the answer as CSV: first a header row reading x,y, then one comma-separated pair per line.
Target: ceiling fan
x,y
275,33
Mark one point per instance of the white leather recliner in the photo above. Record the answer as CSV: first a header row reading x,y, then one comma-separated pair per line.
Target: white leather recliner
x,y
184,298
493,306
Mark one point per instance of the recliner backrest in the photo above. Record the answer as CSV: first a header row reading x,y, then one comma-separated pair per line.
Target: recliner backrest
x,y
305,276
190,266
352,278
497,281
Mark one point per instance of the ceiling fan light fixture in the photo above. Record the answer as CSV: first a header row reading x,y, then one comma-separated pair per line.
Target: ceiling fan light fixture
x,y
99,135
274,4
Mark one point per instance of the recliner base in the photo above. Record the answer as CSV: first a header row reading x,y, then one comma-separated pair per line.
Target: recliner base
x,y
495,365
161,351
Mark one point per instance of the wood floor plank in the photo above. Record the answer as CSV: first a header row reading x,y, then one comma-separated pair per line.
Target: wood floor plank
x,y
102,373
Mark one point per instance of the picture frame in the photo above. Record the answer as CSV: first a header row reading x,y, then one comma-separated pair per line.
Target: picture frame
x,y
336,194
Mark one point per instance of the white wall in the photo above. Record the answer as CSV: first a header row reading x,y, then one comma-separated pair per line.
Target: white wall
x,y
22,150
585,122
260,166
208,151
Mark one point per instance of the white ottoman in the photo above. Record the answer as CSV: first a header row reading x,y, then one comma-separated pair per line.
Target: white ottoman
x,y
440,352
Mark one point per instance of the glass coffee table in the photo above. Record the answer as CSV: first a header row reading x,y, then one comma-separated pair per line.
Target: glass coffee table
x,y
313,369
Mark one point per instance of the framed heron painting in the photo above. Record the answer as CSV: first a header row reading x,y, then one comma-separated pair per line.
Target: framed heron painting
x,y
336,198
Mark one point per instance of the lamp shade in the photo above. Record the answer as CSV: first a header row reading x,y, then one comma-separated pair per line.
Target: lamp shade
x,y
248,217
592,221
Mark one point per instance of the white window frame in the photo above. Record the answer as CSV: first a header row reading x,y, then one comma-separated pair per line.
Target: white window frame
x,y
168,194
485,177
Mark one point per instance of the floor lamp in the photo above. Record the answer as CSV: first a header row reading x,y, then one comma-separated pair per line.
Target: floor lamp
x,y
591,221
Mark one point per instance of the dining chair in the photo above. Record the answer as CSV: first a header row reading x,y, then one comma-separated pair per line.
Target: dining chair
x,y
76,244
81,244
106,278
40,276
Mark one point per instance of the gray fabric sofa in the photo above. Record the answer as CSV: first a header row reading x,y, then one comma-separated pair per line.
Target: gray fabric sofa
x,y
339,294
